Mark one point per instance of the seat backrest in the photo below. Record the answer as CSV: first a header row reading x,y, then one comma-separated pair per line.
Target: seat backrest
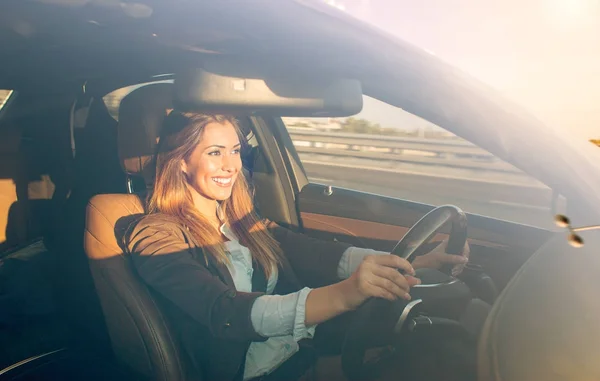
x,y
140,334
35,161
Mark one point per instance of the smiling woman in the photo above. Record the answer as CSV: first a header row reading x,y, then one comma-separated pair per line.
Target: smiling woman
x,y
212,165
201,226
197,168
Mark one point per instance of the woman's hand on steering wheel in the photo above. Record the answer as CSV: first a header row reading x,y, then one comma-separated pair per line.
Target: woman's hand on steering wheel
x,y
438,257
379,276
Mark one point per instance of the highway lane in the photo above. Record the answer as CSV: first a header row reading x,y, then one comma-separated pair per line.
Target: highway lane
x,y
523,202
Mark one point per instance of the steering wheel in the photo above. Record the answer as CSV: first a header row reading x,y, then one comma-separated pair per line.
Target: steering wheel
x,y
385,315
431,223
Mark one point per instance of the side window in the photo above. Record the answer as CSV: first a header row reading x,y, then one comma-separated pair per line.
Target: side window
x,y
388,151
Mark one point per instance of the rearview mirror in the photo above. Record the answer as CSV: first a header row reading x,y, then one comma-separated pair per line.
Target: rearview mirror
x,y
246,89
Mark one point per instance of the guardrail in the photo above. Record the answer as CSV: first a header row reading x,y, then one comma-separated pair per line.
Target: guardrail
x,y
448,153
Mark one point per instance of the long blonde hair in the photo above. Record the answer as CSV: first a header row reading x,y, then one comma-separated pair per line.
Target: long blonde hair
x,y
180,135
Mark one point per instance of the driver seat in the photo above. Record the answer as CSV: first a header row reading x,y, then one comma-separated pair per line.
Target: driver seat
x,y
141,337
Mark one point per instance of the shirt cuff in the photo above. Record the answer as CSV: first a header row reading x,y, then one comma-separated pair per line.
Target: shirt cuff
x,y
301,331
352,258
282,315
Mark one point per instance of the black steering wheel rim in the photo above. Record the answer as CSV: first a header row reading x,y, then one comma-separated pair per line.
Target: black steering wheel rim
x,y
358,337
430,224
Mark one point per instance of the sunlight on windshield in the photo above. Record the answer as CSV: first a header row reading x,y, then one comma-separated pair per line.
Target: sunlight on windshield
x,y
544,55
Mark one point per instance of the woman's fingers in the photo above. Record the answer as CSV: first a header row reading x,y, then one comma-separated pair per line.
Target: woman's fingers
x,y
394,276
391,261
412,281
397,286
391,281
384,294
379,276
382,288
452,259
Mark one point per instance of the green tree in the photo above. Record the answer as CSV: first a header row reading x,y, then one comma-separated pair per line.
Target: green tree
x,y
363,126
357,126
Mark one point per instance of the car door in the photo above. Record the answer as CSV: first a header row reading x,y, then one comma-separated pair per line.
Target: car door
x,y
367,179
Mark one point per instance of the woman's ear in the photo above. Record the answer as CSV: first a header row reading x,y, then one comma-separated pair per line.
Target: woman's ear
x,y
184,167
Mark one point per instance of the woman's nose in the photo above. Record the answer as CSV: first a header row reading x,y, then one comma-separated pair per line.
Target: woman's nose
x,y
228,163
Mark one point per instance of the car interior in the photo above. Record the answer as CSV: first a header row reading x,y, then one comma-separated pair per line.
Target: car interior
x,y
74,170
79,182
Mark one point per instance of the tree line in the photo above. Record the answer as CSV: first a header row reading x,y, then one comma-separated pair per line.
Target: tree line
x,y
363,126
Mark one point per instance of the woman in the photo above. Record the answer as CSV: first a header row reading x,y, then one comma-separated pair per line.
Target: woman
x,y
243,294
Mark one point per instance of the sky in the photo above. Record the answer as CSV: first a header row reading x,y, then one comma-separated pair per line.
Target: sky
x,y
543,54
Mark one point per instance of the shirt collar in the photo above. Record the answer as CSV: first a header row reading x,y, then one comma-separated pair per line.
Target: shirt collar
x,y
224,228
220,213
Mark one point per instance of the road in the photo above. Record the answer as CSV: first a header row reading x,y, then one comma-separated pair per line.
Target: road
x,y
514,199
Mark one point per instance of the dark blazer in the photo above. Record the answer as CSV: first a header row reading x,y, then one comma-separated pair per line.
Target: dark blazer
x,y
198,294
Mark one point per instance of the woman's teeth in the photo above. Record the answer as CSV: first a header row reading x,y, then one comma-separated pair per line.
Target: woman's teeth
x,y
221,180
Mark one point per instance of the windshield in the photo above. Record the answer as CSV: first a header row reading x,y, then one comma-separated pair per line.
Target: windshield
x,y
553,147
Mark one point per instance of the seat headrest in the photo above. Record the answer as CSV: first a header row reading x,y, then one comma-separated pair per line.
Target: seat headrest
x,y
141,114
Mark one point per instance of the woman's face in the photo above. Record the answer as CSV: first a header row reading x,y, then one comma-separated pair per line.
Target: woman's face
x,y
213,167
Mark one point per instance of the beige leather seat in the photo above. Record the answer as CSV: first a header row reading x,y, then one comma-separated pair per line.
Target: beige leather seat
x,y
140,335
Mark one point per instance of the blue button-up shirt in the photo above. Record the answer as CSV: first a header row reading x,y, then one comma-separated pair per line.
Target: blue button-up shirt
x,y
281,318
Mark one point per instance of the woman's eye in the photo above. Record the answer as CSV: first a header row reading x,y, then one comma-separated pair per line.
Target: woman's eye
x,y
236,151
214,153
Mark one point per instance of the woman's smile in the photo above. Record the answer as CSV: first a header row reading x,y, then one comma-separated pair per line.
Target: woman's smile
x,y
223,181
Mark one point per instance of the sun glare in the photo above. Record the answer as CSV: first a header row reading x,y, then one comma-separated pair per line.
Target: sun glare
x,y
574,13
